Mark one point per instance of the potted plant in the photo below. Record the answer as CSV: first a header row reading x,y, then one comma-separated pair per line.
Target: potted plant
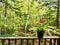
x,y
40,32
40,28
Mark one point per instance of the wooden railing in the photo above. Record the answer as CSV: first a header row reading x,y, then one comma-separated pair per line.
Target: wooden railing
x,y
46,40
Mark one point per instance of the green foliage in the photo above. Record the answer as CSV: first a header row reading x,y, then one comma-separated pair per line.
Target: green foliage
x,y
19,44
6,35
0,43
40,32
40,29
17,12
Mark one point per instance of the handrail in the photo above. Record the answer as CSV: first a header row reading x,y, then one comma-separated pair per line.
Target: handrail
x,y
45,37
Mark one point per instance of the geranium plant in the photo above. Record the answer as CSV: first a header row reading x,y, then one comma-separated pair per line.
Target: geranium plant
x,y
40,28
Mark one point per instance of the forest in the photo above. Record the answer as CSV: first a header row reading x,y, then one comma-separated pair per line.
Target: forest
x,y
23,17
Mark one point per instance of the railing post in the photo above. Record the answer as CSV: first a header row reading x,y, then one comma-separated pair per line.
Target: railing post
x,y
33,41
54,41
44,41
58,41
39,41
50,41
8,41
2,41
21,41
15,41
27,42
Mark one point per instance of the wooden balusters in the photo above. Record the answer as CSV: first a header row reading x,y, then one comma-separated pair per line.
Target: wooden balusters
x,y
3,41
39,41
58,41
44,41
54,41
8,41
50,41
27,42
15,41
32,41
21,41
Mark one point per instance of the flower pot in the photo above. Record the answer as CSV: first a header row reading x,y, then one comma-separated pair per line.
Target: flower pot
x,y
40,34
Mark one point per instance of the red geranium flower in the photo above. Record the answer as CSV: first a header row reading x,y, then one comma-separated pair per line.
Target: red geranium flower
x,y
42,20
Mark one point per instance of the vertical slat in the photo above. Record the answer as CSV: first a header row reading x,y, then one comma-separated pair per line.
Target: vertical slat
x,y
2,41
58,41
50,41
15,41
39,41
8,41
21,41
44,41
54,41
27,42
32,41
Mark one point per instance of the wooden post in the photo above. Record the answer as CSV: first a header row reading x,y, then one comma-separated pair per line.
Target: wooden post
x,y
58,41
50,41
39,41
21,42
44,41
54,41
33,42
27,42
9,42
3,42
15,41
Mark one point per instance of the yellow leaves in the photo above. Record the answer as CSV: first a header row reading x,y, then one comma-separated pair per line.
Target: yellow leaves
x,y
51,27
10,2
32,21
6,25
33,28
24,9
35,4
33,10
43,10
53,9
54,31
